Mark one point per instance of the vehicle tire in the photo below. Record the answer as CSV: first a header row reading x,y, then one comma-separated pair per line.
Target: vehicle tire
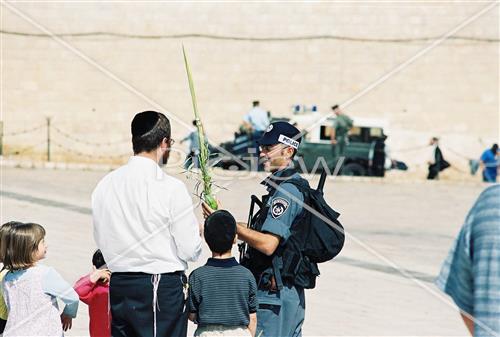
x,y
231,166
353,169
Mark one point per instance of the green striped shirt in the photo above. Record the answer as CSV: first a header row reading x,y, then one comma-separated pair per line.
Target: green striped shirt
x,y
222,292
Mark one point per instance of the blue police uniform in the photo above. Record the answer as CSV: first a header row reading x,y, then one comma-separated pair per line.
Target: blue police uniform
x,y
281,308
281,312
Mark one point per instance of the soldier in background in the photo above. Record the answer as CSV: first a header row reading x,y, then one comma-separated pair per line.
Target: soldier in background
x,y
341,127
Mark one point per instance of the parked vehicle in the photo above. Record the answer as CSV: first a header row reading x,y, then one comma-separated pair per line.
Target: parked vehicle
x,y
315,153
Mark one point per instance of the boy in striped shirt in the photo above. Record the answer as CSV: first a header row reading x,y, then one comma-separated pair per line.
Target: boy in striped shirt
x,y
222,293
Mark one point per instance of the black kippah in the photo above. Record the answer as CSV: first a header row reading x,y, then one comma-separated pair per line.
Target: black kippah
x,y
144,122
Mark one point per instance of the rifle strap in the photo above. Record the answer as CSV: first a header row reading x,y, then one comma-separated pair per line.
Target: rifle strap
x,y
277,265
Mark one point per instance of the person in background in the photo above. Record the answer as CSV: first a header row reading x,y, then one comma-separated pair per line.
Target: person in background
x,y
377,156
194,148
340,131
489,164
31,290
470,274
257,119
256,122
436,161
93,290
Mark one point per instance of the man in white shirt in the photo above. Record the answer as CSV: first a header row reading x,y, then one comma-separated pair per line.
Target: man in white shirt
x,y
146,229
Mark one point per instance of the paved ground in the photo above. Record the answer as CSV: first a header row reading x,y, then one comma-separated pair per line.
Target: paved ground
x,y
394,229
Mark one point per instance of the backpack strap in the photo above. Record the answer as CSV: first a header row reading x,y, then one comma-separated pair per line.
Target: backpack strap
x,y
301,184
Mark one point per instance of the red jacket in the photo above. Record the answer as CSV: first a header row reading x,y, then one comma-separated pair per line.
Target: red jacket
x,y
96,295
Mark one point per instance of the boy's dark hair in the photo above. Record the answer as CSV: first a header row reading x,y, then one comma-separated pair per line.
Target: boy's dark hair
x,y
149,128
98,259
219,232
255,103
194,122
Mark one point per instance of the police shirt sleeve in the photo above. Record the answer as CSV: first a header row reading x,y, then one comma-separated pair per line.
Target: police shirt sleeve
x,y
284,206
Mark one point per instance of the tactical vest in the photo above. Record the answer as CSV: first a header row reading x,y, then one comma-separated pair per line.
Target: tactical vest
x,y
259,263
316,236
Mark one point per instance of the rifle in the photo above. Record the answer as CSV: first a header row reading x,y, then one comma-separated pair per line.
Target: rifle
x,y
242,246
321,182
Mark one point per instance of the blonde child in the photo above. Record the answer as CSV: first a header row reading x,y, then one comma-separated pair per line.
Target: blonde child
x,y
30,289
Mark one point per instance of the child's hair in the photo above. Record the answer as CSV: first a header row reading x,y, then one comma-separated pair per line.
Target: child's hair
x,y
98,259
220,230
5,237
21,244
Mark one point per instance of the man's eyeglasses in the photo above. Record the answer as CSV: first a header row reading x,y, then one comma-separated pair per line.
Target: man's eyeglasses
x,y
268,148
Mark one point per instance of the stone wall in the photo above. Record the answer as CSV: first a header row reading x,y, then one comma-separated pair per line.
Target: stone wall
x,y
92,85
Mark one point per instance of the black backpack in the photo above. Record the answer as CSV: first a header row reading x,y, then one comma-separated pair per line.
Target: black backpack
x,y
316,236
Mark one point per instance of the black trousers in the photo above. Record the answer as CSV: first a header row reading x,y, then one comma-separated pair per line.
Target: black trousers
x,y
2,325
131,301
433,172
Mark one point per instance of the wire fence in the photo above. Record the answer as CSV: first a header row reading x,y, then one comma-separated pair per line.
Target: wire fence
x,y
53,139
69,150
86,142
24,131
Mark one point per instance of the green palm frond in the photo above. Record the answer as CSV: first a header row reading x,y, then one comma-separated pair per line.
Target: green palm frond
x,y
204,156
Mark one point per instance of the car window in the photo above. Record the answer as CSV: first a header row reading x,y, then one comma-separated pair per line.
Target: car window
x,y
355,134
325,132
376,132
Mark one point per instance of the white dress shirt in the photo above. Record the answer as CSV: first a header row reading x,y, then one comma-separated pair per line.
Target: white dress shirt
x,y
144,220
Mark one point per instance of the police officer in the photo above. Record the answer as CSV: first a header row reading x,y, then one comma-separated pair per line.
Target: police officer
x,y
281,304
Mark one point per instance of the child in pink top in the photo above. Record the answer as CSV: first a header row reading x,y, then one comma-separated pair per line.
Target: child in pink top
x,y
93,290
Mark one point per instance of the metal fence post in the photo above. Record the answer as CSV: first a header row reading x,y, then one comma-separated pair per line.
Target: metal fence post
x,y
1,138
48,138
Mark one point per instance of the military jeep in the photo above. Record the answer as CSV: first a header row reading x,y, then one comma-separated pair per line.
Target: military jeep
x,y
315,153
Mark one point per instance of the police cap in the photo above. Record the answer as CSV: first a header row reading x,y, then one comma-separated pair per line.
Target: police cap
x,y
281,133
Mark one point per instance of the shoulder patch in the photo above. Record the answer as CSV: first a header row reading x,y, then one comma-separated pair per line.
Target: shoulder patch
x,y
279,207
